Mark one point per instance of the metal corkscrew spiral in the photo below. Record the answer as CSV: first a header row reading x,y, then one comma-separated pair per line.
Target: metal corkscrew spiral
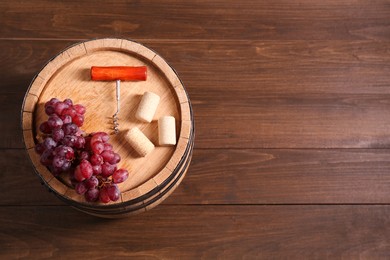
x,y
118,73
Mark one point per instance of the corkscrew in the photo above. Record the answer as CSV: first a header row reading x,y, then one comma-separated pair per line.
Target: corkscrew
x,y
118,73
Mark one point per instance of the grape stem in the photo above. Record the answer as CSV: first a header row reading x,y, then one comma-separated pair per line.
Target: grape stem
x,y
103,183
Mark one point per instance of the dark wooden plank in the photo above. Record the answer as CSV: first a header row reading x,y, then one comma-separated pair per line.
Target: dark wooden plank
x,y
281,20
273,176
294,121
22,60
360,67
10,125
288,67
247,176
290,95
19,183
195,232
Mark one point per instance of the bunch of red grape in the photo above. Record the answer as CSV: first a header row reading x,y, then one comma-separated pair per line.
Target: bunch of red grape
x,y
96,176
89,160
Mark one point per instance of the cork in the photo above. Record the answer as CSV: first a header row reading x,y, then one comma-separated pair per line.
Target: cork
x,y
141,144
166,131
147,107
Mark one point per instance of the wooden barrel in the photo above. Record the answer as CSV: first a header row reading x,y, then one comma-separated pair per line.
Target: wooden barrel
x,y
152,178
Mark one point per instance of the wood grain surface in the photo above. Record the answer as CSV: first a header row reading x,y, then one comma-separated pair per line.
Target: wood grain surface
x,y
223,232
291,102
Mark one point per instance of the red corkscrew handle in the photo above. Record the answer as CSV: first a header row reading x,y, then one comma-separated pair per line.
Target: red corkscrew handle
x,y
118,73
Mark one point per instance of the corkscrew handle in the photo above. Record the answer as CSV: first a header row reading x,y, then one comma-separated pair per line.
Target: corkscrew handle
x,y
118,73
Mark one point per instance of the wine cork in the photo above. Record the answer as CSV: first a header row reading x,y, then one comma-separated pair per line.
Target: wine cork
x,y
141,144
147,107
166,131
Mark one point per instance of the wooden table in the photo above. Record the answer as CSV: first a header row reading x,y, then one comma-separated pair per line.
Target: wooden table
x,y
292,110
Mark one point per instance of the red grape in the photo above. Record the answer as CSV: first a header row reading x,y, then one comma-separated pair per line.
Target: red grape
x,y
113,192
58,161
78,120
68,101
108,156
96,159
103,196
70,129
117,158
64,151
66,166
97,169
66,119
39,148
70,111
92,195
49,110
49,143
78,175
80,188
86,169
80,132
45,128
69,140
84,155
108,169
57,134
59,107
55,122
80,109
120,175
91,182
80,142
111,157
108,147
47,157
52,102
100,136
97,147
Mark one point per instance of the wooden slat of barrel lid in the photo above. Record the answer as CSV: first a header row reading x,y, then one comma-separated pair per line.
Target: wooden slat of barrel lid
x,y
27,121
27,126
37,85
185,130
29,103
68,76
169,73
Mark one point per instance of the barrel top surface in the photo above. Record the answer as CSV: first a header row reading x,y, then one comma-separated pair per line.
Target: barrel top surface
x,y
68,76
